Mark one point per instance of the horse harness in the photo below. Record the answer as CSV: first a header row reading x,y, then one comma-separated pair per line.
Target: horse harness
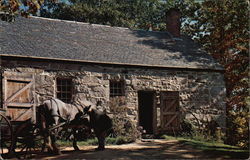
x,y
57,113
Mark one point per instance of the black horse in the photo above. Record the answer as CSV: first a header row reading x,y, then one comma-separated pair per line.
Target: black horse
x,y
101,123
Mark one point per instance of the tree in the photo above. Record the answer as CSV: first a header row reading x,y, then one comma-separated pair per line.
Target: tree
x,y
223,29
138,14
15,6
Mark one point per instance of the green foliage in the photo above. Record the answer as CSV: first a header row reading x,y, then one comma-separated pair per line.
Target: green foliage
x,y
205,145
138,14
203,136
93,141
210,132
239,128
124,129
187,128
10,8
135,14
117,140
222,27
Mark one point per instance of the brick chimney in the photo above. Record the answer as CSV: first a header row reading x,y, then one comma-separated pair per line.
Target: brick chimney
x,y
173,23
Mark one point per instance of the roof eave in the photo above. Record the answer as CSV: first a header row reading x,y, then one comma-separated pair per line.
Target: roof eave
x,y
114,63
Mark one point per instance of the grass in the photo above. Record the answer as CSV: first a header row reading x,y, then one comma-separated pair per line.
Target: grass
x,y
109,140
213,147
80,143
203,145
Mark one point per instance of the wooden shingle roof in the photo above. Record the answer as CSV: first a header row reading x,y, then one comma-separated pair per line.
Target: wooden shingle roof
x,y
60,39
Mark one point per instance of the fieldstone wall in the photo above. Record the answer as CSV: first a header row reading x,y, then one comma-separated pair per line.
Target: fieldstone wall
x,y
202,94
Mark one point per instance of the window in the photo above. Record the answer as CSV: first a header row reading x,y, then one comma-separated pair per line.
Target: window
x,y
64,89
116,88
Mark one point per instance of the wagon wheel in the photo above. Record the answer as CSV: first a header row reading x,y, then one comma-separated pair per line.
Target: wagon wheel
x,y
6,135
28,141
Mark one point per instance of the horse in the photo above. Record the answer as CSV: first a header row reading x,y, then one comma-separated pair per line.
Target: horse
x,y
101,124
54,115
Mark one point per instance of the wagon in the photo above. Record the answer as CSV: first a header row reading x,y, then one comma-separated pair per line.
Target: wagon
x,y
6,133
20,132
19,139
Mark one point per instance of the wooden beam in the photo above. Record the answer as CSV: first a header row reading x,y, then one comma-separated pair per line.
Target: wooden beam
x,y
5,91
170,113
16,104
33,118
18,92
171,120
168,107
28,112
19,79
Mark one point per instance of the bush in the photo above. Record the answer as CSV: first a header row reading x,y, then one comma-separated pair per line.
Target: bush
x,y
187,128
238,130
121,140
123,128
210,133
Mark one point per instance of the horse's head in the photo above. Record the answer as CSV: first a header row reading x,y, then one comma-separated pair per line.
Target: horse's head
x,y
79,115
82,120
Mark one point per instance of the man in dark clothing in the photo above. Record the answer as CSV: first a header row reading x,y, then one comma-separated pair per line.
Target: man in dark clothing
x,y
101,123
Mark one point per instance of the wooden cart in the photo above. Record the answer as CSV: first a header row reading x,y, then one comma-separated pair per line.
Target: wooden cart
x,y
6,133
19,132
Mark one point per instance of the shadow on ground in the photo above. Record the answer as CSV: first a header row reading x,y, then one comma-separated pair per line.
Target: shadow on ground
x,y
156,149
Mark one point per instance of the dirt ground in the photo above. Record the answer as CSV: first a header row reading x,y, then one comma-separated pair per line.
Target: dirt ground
x,y
151,149
147,149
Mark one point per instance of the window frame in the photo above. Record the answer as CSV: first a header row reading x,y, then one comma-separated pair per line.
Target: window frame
x,y
116,88
66,89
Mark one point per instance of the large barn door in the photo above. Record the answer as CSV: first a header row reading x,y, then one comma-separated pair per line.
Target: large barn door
x,y
170,115
19,101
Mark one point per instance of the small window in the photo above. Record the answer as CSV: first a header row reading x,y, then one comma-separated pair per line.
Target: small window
x,y
117,88
64,89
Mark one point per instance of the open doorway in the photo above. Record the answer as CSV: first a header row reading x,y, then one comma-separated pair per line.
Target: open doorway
x,y
146,103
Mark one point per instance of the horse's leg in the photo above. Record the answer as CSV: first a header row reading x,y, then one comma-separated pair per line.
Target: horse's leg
x,y
101,141
56,150
75,141
48,142
45,134
53,138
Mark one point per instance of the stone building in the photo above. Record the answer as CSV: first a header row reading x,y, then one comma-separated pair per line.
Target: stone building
x,y
163,79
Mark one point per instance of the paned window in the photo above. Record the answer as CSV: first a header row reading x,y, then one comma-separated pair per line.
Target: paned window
x,y
117,88
64,89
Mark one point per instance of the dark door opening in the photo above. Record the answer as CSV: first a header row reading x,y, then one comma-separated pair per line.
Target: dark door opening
x,y
146,102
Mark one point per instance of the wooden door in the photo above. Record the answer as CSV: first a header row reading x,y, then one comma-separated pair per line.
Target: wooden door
x,y
19,101
170,114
